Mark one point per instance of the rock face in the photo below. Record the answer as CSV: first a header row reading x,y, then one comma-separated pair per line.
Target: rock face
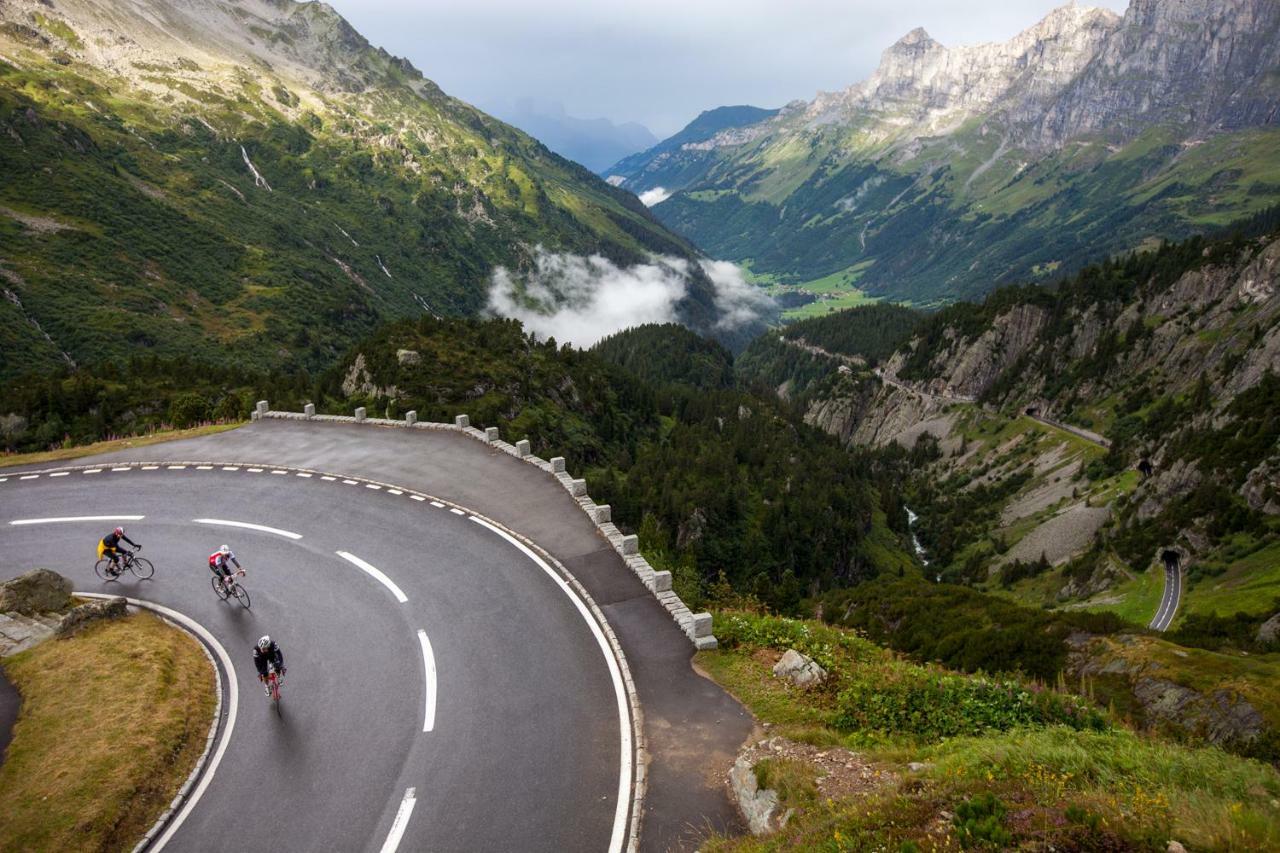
x,y
759,807
38,591
1269,631
799,669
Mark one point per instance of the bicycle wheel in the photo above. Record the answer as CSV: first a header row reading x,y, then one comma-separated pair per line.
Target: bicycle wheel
x,y
242,594
219,589
100,569
142,567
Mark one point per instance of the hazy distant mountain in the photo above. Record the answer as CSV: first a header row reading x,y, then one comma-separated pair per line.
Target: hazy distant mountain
x,y
648,169
251,180
594,142
950,170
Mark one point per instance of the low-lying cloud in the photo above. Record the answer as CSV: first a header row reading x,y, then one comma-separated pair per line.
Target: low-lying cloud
x,y
657,195
580,300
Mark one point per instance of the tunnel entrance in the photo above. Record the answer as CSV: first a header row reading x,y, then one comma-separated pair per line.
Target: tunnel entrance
x,y
1171,559
1033,411
1145,468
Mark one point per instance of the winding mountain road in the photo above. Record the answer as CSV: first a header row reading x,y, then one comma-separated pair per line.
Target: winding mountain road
x,y
1169,601
522,740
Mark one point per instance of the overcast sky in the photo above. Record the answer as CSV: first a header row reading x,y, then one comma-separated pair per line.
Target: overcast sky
x,y
661,62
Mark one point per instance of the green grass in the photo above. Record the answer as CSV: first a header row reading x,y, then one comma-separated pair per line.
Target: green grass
x,y
851,298
112,721
1250,585
1135,600
63,454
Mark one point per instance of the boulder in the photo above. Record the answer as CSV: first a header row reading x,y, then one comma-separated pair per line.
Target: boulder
x,y
38,591
799,669
408,356
1269,631
82,614
759,807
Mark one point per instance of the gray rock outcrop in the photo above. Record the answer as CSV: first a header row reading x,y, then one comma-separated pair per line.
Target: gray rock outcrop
x,y
1269,631
758,807
799,669
37,591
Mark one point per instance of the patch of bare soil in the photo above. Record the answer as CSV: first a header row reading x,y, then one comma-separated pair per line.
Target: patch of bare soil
x,y
840,773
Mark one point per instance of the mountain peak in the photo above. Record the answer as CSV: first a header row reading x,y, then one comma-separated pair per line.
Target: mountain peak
x,y
916,40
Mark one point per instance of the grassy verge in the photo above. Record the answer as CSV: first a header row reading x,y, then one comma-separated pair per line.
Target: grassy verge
x,y
1036,785
64,453
113,719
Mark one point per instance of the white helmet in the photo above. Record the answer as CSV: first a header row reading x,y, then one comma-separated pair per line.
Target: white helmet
x,y
224,550
264,642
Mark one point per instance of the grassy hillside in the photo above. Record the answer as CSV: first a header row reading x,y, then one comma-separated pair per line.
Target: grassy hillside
x,y
222,206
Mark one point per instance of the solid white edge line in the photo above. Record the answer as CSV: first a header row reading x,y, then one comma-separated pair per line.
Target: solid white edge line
x,y
401,821
374,573
233,701
18,521
429,664
624,718
288,534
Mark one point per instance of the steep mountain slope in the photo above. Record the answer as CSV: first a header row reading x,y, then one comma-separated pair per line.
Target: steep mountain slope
x,y
253,182
596,143
667,162
952,170
1083,438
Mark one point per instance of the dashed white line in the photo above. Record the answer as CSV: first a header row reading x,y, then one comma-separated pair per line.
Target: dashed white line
x,y
304,474
615,672
29,477
288,534
230,467
204,467
279,472
349,483
373,486
437,504
456,511
401,821
173,468
122,468
74,518
394,492
327,478
61,474
254,470
375,574
92,471
429,664
148,468
417,497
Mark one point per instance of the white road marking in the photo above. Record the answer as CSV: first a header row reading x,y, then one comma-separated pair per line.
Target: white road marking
x,y
204,467
147,468
122,468
437,504
624,724
304,474
254,470
456,511
373,486
230,467
29,477
417,497
4,479
348,482
375,574
401,821
394,492
92,471
249,526
177,467
78,518
233,703
61,474
429,663
327,478
279,472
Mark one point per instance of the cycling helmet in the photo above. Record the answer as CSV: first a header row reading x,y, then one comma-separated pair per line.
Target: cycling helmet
x,y
264,642
224,550
119,531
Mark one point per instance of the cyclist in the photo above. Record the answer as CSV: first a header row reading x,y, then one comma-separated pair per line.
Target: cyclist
x,y
109,547
267,652
220,564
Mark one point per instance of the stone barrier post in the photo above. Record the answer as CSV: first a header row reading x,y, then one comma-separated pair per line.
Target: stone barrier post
x,y
360,414
309,410
410,418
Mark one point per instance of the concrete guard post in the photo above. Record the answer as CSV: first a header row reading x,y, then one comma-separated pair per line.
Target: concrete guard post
x,y
696,626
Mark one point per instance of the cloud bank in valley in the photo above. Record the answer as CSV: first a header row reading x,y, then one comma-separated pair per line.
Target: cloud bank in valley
x,y
657,195
580,299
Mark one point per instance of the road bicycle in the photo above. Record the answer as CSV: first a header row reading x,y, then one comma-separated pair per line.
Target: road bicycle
x,y
227,587
273,686
129,561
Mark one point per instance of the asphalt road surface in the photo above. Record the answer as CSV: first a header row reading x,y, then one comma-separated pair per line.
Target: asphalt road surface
x,y
1169,601
525,747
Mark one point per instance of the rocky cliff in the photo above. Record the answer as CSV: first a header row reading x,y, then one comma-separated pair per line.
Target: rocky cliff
x,y
954,169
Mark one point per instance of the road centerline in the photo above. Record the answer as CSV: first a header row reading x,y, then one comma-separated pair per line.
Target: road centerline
x,y
374,573
429,665
75,518
223,522
401,821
